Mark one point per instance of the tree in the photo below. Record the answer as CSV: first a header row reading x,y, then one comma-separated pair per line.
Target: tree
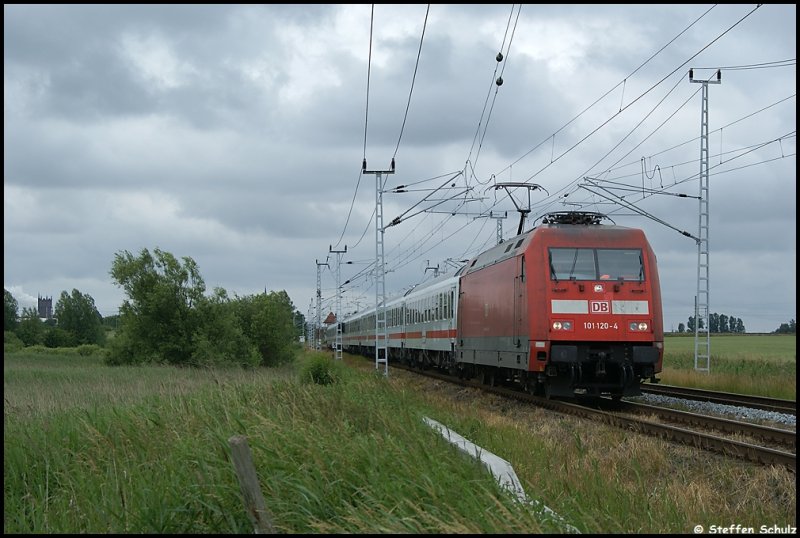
x,y
10,309
681,328
57,337
268,320
299,323
168,319
30,329
723,324
787,328
720,323
219,338
158,319
78,316
713,323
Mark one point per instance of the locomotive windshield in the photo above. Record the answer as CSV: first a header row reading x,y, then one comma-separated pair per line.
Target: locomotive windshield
x,y
596,264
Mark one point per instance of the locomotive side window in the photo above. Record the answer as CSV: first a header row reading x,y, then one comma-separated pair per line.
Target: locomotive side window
x,y
596,264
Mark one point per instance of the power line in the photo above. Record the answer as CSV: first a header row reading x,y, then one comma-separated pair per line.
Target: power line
x,y
622,82
606,122
414,78
494,82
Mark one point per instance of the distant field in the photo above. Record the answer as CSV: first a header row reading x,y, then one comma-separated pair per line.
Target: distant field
x,y
765,365
778,346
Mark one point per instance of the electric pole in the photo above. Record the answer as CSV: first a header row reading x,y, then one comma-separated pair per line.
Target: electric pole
x,y
318,344
381,338
338,352
702,350
309,333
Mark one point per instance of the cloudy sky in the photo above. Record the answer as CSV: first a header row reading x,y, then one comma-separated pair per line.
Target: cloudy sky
x,y
235,135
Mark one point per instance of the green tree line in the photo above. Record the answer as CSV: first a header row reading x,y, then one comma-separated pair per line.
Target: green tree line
x,y
721,323
166,318
787,328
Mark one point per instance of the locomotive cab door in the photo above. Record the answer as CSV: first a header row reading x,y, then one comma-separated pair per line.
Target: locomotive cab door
x,y
520,305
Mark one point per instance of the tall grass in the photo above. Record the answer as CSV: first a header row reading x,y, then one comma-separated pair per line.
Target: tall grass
x,y
749,364
94,449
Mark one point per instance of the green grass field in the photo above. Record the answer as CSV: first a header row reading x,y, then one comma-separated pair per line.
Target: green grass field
x,y
764,365
95,449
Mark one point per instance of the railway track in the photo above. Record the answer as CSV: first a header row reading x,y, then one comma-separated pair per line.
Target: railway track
x,y
750,451
727,398
777,436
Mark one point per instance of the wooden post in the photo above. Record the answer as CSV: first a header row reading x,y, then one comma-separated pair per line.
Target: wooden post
x,y
248,481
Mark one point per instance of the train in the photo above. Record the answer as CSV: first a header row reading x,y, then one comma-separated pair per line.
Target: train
x,y
570,308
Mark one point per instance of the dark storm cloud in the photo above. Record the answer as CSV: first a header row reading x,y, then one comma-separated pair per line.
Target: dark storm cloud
x,y
234,134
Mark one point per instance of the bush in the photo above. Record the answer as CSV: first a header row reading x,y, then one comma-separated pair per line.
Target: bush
x,y
55,337
320,369
87,350
11,342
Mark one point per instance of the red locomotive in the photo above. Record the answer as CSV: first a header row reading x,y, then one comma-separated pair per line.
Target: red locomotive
x,y
571,307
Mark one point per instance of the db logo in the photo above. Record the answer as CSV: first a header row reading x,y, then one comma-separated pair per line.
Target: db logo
x,y
600,307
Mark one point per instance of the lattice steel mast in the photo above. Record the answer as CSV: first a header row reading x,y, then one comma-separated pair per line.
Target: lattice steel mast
x,y
381,338
702,346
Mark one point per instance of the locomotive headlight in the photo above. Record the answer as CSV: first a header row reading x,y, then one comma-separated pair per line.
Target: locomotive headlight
x,y
643,326
557,325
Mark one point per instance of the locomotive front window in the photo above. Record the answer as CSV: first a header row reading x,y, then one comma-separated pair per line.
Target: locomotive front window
x,y
596,264
620,264
572,264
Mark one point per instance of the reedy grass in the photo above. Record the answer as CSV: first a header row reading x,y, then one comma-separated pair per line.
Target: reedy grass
x,y
350,457
757,364
145,450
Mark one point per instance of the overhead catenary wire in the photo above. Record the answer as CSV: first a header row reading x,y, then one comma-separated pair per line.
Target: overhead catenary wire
x,y
498,83
638,98
552,136
366,123
413,79
554,200
622,82
469,165
464,192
